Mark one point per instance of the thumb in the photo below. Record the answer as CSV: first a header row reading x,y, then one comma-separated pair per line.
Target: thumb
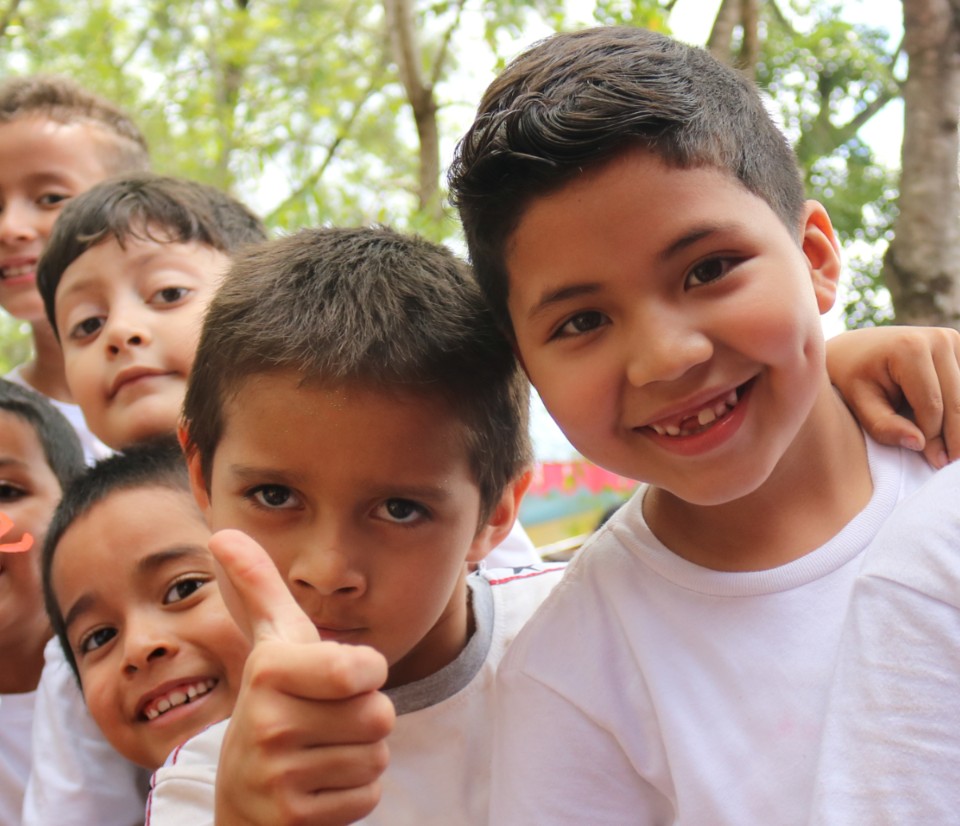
x,y
255,593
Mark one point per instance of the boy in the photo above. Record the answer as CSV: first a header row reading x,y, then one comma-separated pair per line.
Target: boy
x,y
130,588
679,345
56,141
125,279
393,459
39,455
374,353
138,258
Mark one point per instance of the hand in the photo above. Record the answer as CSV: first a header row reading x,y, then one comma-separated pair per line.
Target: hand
x,y
305,744
881,369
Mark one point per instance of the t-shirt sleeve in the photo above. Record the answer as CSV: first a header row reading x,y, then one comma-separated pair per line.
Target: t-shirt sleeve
x,y
183,790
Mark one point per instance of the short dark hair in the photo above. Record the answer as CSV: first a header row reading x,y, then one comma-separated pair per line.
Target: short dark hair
x,y
155,464
575,101
60,443
62,100
367,306
147,207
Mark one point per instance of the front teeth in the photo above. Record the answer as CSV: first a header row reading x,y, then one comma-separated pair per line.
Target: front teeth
x,y
178,698
704,417
16,272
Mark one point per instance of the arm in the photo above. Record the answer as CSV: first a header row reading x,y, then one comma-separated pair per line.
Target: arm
x,y
305,743
881,370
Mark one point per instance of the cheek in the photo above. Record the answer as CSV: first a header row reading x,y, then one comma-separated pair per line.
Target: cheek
x,y
24,569
44,224
101,700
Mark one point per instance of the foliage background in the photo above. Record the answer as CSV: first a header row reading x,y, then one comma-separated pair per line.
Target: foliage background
x,y
317,111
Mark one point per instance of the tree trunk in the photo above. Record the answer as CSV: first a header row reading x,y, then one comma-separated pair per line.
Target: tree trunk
x,y
733,13
922,264
409,59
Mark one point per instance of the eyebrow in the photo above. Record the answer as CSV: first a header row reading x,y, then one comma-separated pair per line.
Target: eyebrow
x,y
248,474
688,239
263,475
148,565
152,562
561,294
695,234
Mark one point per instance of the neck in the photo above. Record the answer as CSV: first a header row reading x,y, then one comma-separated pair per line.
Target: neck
x,y
820,484
45,371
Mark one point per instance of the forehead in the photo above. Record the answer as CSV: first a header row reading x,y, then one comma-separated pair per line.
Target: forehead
x,y
392,429
112,262
106,543
37,147
636,202
20,443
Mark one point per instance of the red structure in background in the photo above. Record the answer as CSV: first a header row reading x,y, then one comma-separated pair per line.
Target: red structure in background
x,y
568,477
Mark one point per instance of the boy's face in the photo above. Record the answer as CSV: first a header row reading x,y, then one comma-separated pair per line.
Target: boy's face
x,y
129,320
29,492
42,165
159,656
670,322
367,504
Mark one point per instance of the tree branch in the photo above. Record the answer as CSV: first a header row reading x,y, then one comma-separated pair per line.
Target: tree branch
x,y
312,179
441,58
8,14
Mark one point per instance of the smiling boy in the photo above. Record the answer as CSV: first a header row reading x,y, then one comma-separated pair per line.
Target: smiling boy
x,y
638,226
56,141
125,279
39,455
130,587
141,256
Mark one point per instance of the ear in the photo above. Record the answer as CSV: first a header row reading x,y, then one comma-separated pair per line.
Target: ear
x,y
501,520
822,251
198,484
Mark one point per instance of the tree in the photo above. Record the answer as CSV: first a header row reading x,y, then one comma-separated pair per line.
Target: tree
x,y
345,111
922,263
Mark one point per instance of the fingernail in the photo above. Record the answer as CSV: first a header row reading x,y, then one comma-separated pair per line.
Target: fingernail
x,y
942,459
911,443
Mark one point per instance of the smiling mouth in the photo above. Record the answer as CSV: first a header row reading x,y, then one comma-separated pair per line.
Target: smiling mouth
x,y
691,424
180,696
15,272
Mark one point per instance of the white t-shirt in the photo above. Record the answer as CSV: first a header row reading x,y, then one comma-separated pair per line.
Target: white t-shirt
x,y
16,715
440,748
649,690
515,551
78,778
93,448
891,744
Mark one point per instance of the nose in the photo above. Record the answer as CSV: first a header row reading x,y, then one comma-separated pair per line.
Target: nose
x,y
663,345
145,641
125,330
15,224
326,568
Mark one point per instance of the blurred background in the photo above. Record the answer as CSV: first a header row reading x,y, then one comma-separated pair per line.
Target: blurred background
x,y
347,111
